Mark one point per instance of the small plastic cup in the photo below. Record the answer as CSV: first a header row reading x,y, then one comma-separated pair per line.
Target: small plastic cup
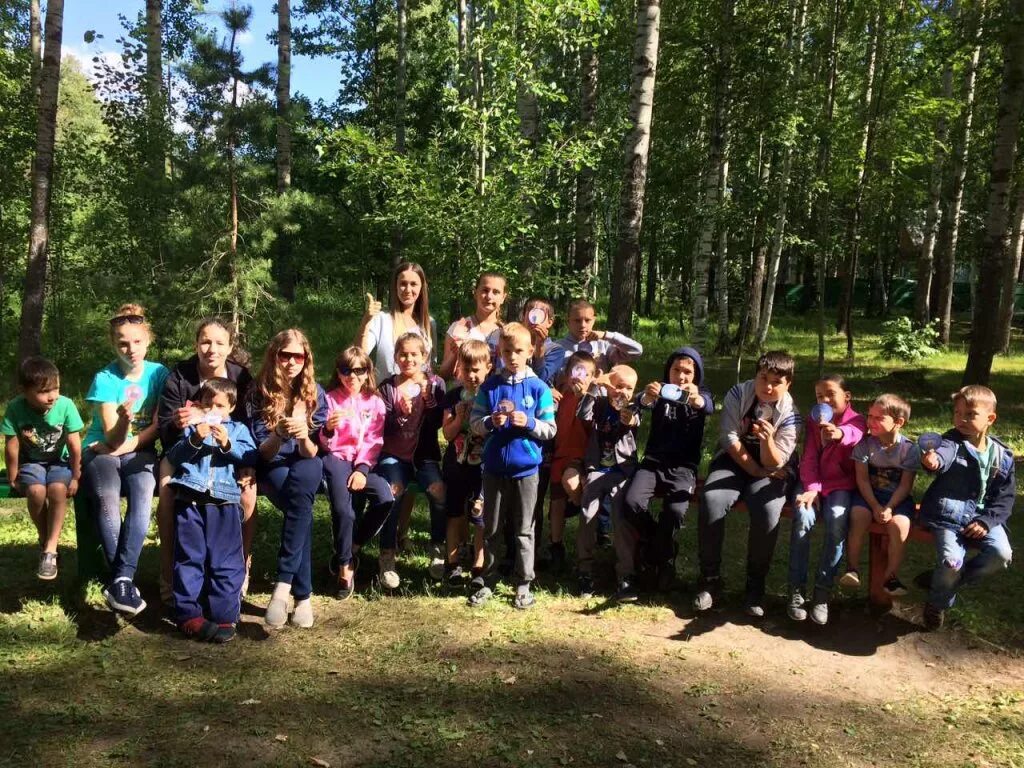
x,y
505,406
133,393
212,418
537,316
764,412
578,373
822,413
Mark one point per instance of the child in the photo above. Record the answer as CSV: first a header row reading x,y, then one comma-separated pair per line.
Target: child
x,y
483,325
515,410
570,444
609,462
209,566
828,480
885,461
548,354
669,469
44,453
759,432
412,403
969,502
352,438
607,347
462,458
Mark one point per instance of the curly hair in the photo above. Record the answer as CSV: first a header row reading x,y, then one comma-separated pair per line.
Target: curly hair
x,y
279,394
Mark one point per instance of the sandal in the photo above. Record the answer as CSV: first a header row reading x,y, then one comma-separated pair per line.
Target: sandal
x,y
479,597
523,601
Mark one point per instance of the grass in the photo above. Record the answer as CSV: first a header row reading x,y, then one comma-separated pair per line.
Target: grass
x,y
420,679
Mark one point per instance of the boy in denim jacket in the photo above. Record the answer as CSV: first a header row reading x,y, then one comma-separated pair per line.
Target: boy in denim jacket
x,y
209,567
969,502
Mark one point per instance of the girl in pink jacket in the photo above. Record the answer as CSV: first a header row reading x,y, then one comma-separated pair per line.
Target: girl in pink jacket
x,y
828,481
351,440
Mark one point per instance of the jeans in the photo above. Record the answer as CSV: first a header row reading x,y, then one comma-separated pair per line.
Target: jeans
x,y
764,497
209,567
343,514
291,485
835,513
106,477
401,473
953,571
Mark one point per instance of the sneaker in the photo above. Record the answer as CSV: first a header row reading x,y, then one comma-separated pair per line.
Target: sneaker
x,y
557,556
705,597
225,633
277,612
481,593
894,587
454,575
389,578
626,593
796,609
199,628
754,610
934,617
47,570
302,616
124,597
585,586
850,579
523,601
436,567
819,613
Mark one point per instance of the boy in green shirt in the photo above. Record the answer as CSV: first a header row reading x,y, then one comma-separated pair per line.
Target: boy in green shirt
x,y
43,452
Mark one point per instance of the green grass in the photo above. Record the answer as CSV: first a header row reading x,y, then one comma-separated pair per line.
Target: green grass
x,y
420,679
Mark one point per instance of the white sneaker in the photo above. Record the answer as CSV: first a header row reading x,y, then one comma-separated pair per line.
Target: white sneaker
x,y
436,568
389,578
302,616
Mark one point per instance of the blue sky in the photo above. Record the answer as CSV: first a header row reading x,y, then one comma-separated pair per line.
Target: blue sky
x,y
316,78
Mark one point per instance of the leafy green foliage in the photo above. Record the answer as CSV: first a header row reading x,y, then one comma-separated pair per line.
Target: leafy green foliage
x,y
902,340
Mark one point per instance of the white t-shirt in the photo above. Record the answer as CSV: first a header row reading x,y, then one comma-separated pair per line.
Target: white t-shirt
x,y
381,331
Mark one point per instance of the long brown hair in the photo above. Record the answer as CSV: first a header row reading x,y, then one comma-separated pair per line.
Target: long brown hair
x,y
238,355
278,393
354,357
421,309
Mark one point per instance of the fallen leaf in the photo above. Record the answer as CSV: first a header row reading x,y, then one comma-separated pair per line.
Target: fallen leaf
x,y
318,761
280,737
510,680
206,729
250,702
659,742
690,761
621,756
186,657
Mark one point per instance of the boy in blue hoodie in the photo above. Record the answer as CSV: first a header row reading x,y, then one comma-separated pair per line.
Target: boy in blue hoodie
x,y
669,469
515,411
969,502
209,566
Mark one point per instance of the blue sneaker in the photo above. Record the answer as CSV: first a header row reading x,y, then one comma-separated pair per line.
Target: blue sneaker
x,y
124,597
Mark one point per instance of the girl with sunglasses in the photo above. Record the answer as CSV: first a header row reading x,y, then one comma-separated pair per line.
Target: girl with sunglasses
x,y
285,411
120,452
352,440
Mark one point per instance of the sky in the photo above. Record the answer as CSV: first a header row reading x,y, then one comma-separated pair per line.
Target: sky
x,y
316,78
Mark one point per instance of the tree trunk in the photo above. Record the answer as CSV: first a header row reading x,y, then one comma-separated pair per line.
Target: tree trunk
x,y
397,233
779,227
925,263
30,331
758,251
994,266
478,96
233,271
1009,294
634,177
722,262
586,247
945,256
284,86
154,89
716,174
652,270
35,33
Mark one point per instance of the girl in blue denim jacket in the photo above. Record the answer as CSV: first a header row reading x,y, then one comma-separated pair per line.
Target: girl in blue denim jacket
x,y
209,566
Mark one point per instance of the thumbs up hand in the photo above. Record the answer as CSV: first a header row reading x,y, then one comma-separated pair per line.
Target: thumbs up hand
x,y
372,305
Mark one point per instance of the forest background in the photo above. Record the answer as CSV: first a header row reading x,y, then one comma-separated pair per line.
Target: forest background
x,y
858,156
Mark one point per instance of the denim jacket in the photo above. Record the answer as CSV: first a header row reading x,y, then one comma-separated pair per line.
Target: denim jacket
x,y
209,469
951,501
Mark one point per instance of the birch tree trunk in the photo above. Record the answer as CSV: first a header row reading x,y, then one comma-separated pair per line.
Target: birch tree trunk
x,y
34,297
35,33
945,256
925,263
1009,292
634,180
759,252
994,264
586,247
397,235
284,87
779,227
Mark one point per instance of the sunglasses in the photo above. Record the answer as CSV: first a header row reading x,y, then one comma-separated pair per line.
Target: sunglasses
x,y
287,357
122,319
346,371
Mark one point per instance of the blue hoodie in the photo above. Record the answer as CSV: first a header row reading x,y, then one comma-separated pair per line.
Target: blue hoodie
x,y
514,451
677,429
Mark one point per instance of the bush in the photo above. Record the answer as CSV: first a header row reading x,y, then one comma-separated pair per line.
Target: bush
x,y
902,340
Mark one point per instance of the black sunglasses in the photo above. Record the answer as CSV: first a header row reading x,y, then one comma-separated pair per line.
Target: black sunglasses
x,y
344,370
122,319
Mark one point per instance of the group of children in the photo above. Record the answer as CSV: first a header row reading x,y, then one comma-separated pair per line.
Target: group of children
x,y
528,414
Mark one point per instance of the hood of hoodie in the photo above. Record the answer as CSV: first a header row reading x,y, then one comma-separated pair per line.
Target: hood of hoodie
x,y
693,354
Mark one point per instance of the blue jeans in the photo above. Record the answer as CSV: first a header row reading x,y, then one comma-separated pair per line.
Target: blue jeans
x,y
291,485
835,513
347,530
399,474
106,477
953,571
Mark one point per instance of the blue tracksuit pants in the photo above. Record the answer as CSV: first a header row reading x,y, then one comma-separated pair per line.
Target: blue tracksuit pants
x,y
208,564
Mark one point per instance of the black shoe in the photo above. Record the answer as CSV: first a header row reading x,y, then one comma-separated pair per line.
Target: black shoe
x,y
454,575
708,593
604,541
666,576
894,587
585,586
626,592
923,580
934,617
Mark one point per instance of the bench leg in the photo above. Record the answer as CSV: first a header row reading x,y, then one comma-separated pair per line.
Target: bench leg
x,y
878,562
92,562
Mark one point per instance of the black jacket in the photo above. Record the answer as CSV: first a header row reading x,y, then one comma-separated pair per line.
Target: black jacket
x,y
182,385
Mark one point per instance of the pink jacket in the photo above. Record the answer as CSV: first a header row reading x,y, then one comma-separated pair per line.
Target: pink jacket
x,y
360,435
831,468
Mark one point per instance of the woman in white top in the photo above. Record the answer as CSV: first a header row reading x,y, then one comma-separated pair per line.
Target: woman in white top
x,y
484,324
408,313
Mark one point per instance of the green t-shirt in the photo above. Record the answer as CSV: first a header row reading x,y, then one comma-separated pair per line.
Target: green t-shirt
x,y
985,459
42,437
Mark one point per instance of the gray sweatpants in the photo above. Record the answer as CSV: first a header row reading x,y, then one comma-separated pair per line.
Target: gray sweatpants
x,y
598,485
515,497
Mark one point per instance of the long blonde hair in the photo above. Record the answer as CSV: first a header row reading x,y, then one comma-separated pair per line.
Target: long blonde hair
x,y
278,393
